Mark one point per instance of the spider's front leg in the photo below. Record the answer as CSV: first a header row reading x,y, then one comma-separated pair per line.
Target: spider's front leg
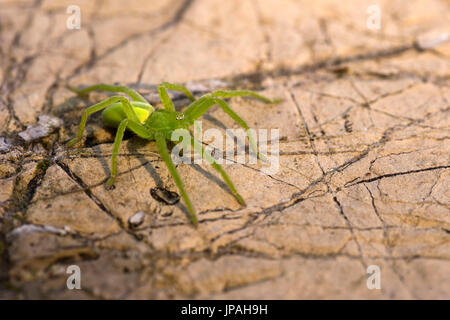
x,y
196,109
199,149
164,96
162,147
129,111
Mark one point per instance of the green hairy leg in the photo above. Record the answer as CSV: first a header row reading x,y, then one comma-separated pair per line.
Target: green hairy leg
x,y
164,96
133,94
200,150
136,128
162,147
129,111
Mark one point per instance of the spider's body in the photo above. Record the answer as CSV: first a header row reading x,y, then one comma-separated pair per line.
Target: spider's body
x,y
140,117
155,121
114,114
166,121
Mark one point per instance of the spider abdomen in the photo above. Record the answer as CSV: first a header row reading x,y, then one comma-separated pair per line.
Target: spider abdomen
x,y
114,114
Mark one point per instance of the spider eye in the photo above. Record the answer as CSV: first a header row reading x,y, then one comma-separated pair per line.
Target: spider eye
x,y
180,116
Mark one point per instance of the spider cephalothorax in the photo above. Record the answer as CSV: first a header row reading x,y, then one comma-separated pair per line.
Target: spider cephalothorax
x,y
140,117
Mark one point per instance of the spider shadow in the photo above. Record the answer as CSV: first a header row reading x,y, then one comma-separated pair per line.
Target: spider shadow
x,y
138,143
218,181
240,145
105,162
211,177
133,148
105,165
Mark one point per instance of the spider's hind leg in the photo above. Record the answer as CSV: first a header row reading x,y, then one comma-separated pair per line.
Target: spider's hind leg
x,y
117,141
129,111
134,126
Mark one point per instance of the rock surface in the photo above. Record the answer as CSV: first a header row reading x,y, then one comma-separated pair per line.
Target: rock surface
x,y
364,151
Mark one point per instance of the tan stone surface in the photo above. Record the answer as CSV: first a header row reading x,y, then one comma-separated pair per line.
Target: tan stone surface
x,y
364,153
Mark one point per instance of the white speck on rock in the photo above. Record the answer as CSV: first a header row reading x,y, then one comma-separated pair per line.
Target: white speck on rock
x,y
432,39
196,87
136,219
215,83
45,126
31,228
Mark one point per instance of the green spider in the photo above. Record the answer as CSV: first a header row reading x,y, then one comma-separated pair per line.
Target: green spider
x,y
140,117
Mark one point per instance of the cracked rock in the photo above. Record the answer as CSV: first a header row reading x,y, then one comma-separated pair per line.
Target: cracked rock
x,y
45,126
4,146
364,167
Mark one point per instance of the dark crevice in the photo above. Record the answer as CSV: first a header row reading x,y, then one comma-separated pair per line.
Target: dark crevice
x,y
283,72
22,195
88,192
347,221
395,174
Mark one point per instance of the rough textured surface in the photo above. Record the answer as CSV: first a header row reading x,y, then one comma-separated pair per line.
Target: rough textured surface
x,y
365,151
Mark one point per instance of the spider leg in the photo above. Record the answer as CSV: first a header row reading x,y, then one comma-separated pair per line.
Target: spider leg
x,y
200,106
197,108
133,94
129,111
243,93
199,149
164,96
117,141
225,107
136,127
162,147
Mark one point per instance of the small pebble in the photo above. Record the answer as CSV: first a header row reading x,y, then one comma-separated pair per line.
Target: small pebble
x,y
136,219
196,87
4,146
432,39
216,83
45,126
